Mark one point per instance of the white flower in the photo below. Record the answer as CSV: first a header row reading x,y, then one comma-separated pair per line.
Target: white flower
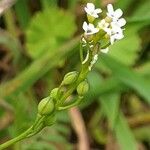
x,y
90,10
105,50
121,22
116,33
114,15
89,29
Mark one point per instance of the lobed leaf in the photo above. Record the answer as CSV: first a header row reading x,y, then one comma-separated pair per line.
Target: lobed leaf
x,y
48,30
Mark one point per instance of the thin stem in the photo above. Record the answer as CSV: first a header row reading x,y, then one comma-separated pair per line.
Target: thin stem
x,y
77,102
82,76
35,128
81,53
9,20
16,139
39,122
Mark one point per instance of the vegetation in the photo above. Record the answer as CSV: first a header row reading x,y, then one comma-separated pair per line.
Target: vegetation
x,y
39,44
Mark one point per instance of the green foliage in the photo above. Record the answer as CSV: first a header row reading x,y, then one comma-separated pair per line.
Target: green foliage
x,y
111,83
125,51
123,4
48,3
25,110
72,4
49,29
110,105
128,77
36,70
22,11
142,13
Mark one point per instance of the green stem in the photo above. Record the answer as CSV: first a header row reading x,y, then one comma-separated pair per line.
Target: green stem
x,y
82,76
16,139
35,128
77,102
39,122
10,23
81,53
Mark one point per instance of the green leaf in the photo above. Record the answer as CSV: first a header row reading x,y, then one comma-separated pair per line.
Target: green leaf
x,y
123,4
48,3
22,12
142,13
110,105
99,86
144,69
48,29
124,134
125,51
128,77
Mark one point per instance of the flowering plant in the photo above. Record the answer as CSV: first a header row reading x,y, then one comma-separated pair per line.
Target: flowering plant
x,y
99,33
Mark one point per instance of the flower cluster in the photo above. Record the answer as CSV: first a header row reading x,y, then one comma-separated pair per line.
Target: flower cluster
x,y
105,30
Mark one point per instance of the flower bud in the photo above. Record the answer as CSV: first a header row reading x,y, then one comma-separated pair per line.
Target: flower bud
x,y
46,106
90,18
83,88
108,19
70,77
54,93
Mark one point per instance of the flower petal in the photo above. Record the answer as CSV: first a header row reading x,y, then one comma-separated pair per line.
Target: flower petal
x,y
98,10
90,6
95,15
91,26
85,26
116,28
112,39
95,30
121,22
86,10
119,36
105,50
108,31
118,13
110,8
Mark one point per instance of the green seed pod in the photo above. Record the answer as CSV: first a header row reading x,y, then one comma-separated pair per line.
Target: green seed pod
x,y
46,106
54,93
83,88
70,77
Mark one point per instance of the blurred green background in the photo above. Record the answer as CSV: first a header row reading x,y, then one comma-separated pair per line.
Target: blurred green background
x,y
39,44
